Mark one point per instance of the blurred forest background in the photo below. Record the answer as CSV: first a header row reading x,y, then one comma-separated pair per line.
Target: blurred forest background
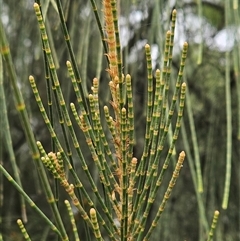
x,y
210,133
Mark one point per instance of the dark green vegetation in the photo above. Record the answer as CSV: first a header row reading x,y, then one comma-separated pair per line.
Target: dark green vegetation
x,y
209,132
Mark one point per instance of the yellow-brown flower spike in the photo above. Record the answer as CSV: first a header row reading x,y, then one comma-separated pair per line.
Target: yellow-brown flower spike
x,y
111,40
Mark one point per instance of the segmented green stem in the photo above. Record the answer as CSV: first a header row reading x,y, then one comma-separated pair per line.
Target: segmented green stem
x,y
141,170
105,174
63,154
165,79
5,136
169,66
96,229
23,230
59,95
45,117
157,111
176,132
166,195
100,28
19,102
213,225
154,137
149,106
70,50
149,88
64,109
156,185
103,142
106,177
74,227
94,116
95,89
152,173
29,134
169,50
92,183
130,118
124,180
109,155
174,99
110,124
173,25
49,88
31,203
79,98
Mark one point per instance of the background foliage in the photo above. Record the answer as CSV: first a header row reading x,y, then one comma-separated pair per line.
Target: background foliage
x,y
212,31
